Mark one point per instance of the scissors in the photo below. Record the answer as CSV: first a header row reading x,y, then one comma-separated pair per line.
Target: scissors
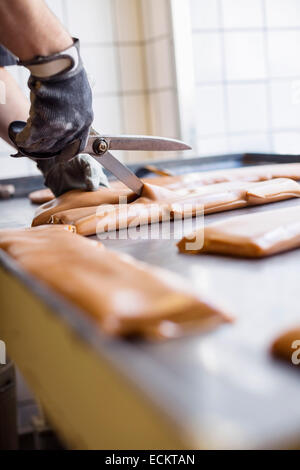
x,y
99,146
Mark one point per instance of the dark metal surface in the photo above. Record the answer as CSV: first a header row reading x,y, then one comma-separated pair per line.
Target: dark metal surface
x,y
223,388
8,402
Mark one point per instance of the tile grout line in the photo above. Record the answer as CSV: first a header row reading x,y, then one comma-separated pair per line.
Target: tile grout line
x,y
223,82
174,77
152,64
140,13
268,80
113,7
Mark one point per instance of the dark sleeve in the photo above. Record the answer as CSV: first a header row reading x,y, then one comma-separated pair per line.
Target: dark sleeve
x,y
6,57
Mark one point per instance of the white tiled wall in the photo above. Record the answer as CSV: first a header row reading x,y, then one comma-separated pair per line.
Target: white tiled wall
x,y
160,71
247,71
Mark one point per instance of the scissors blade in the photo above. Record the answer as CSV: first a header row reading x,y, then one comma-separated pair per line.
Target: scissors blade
x,y
138,142
121,172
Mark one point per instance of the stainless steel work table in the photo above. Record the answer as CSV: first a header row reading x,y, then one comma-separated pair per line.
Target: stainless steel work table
x,y
217,390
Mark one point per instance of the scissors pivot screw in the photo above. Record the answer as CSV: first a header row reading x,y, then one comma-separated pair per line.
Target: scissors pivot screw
x,y
100,146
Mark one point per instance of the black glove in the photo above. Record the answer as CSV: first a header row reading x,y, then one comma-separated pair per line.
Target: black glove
x,y
61,105
82,172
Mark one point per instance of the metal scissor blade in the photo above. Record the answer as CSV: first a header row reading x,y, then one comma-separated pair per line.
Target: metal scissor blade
x,y
120,171
138,142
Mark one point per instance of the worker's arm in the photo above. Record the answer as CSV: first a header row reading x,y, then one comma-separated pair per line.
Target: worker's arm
x,y
13,106
61,100
29,29
82,172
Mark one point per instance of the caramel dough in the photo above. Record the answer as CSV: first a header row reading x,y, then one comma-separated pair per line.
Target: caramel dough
x,y
135,215
41,196
125,296
251,235
157,204
104,196
286,344
77,198
9,236
194,180
251,173
71,216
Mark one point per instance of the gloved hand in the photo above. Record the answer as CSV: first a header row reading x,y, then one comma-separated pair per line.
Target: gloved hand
x,y
82,172
61,105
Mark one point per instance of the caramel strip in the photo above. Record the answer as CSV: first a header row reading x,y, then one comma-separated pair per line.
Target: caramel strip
x,y
76,199
41,196
155,204
104,196
165,206
251,235
14,239
286,345
177,183
135,215
146,211
251,173
72,215
192,180
126,297
273,190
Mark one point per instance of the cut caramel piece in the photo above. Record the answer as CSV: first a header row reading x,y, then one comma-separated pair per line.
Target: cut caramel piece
x,y
251,235
277,189
41,196
125,296
157,204
287,346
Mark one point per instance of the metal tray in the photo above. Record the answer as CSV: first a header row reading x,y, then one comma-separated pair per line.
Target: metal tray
x,y
216,390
